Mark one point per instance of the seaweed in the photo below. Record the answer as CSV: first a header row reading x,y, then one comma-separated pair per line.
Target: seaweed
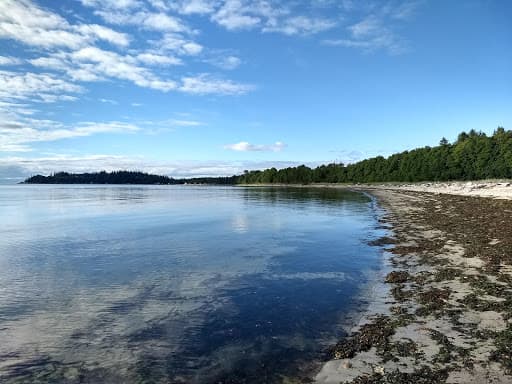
x,y
375,334
503,352
398,277
423,375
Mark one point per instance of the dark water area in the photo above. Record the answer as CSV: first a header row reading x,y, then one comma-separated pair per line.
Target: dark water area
x,y
178,284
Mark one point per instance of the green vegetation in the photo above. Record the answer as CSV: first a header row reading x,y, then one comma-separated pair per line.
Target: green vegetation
x,y
121,177
474,156
118,177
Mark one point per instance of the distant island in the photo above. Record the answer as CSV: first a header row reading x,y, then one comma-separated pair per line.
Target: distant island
x,y
473,156
121,177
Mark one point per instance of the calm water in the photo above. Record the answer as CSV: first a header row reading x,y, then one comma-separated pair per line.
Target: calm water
x,y
159,284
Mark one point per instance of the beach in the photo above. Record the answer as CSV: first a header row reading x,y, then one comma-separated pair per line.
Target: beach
x,y
487,188
444,312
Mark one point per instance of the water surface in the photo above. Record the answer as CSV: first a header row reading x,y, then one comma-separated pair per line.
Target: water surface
x,y
176,284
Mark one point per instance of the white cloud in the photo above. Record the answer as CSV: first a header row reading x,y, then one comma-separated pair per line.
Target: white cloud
x,y
134,12
25,22
157,21
103,33
375,30
244,146
176,43
188,7
231,20
112,4
205,84
94,64
108,101
278,17
192,48
371,34
32,86
230,62
111,64
155,59
9,60
185,123
301,25
370,37
406,10
244,14
367,27
17,135
56,62
41,38
163,22
11,110
160,5
269,16
227,62
48,98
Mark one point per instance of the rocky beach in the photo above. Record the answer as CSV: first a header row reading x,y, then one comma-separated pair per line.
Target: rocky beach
x,y
445,314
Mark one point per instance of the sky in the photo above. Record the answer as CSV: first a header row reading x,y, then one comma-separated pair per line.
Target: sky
x,y
208,88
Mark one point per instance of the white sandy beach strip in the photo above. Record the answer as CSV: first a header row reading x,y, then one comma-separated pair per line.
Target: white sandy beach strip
x,y
493,189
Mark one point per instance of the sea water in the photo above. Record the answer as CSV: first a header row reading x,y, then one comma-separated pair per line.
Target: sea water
x,y
177,284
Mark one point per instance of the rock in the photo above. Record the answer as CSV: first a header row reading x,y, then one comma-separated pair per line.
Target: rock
x,y
378,369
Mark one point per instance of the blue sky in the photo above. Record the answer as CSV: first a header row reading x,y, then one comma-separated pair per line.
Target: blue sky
x,y
196,87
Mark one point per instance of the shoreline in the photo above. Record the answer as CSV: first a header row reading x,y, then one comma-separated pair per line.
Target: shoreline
x,y
498,189
449,299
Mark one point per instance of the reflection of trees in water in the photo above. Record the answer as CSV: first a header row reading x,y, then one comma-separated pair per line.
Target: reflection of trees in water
x,y
310,196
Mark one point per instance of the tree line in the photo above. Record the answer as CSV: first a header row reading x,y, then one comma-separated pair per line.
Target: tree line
x,y
123,177
473,156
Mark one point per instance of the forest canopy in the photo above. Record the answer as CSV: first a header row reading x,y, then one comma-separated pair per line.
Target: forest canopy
x,y
473,156
122,177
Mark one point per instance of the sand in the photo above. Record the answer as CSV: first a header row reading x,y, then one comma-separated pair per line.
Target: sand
x,y
499,190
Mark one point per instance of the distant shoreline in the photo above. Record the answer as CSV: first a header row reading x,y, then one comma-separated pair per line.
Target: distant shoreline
x,y
500,189
122,178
